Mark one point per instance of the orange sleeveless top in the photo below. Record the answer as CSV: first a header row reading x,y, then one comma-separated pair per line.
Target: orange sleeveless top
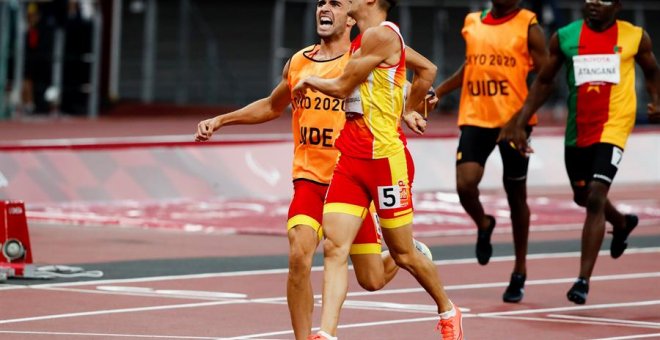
x,y
317,118
497,63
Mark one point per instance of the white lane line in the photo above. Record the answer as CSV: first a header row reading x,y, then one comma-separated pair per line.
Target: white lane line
x,y
652,222
109,335
390,306
573,254
283,299
531,257
574,308
115,293
574,322
506,283
174,277
148,292
345,326
618,321
172,292
488,315
121,310
271,300
626,337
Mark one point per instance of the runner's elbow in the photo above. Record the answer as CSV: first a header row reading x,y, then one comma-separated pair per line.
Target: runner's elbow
x,y
273,114
341,92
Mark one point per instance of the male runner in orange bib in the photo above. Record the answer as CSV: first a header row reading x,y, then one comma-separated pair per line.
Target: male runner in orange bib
x,y
316,122
599,53
374,165
502,46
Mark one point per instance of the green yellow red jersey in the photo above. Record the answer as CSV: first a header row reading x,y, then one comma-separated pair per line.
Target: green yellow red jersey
x,y
600,68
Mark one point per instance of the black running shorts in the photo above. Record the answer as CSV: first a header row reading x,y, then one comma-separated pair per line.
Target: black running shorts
x,y
597,162
476,144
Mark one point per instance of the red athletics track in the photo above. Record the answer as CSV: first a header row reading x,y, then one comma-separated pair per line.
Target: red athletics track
x,y
161,283
624,302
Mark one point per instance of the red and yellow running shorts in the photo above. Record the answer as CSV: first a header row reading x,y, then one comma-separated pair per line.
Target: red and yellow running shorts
x,y
307,209
386,181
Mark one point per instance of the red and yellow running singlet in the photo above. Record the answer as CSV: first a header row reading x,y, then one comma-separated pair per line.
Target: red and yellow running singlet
x,y
497,63
317,118
600,68
373,110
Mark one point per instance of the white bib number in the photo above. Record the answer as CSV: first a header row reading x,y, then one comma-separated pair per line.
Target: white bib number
x,y
597,68
617,154
389,197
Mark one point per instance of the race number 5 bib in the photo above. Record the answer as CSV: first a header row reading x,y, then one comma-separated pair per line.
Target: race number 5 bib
x,y
395,196
601,68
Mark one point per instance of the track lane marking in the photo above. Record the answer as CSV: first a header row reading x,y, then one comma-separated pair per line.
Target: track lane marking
x,y
280,300
146,292
506,283
541,256
173,292
345,326
500,315
574,308
575,322
113,335
639,336
619,321
119,311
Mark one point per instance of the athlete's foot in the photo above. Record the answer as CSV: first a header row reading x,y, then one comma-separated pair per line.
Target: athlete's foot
x,y
423,248
578,293
451,324
321,335
484,249
620,236
516,289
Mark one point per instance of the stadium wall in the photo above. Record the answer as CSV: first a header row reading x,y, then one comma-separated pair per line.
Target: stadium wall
x,y
102,171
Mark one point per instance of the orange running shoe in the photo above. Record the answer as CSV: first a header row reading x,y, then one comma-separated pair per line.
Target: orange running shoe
x,y
451,328
321,335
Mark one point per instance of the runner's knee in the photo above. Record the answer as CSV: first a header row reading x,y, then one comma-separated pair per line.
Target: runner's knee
x,y
580,197
404,261
466,186
371,282
595,202
332,248
300,256
299,261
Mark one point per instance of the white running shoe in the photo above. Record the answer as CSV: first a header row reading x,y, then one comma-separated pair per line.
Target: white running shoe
x,y
423,248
